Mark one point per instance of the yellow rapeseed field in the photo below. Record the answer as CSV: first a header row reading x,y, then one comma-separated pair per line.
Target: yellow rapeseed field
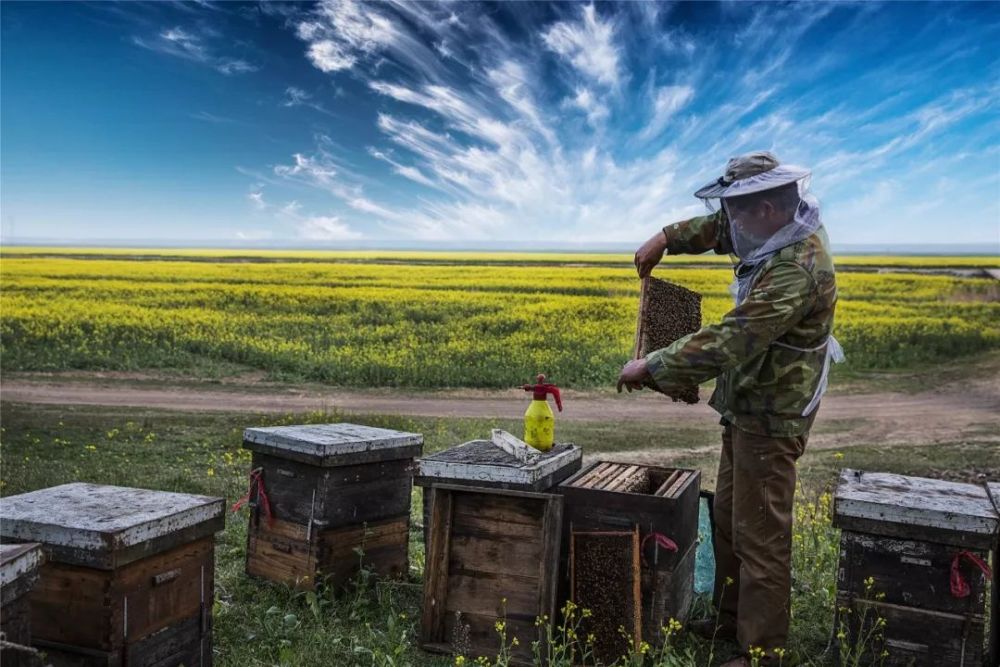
x,y
418,319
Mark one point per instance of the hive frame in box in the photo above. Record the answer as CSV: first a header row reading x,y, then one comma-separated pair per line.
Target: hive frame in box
x,y
632,539
667,576
469,526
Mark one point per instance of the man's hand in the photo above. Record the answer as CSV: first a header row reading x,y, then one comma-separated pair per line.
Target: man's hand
x,y
633,376
650,253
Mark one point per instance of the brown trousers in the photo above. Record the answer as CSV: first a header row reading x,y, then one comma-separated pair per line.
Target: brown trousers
x,y
753,535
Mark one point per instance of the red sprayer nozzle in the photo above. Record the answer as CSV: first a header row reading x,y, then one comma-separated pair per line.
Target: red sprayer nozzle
x,y
542,390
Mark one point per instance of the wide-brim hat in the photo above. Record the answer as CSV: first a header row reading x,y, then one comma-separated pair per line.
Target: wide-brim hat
x,y
753,172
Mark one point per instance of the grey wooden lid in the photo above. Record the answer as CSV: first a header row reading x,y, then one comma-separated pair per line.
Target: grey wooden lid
x,y
89,523
333,444
18,560
482,461
898,505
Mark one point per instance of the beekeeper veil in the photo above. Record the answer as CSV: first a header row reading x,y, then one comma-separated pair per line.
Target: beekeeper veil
x,y
768,205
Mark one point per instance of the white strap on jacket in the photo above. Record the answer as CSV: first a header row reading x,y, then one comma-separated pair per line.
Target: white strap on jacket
x,y
834,353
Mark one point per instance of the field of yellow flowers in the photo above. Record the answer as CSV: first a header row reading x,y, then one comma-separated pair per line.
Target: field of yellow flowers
x,y
420,319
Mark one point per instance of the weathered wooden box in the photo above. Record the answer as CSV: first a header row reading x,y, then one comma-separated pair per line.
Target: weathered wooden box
x,y
325,493
129,573
663,504
493,556
901,539
19,565
482,464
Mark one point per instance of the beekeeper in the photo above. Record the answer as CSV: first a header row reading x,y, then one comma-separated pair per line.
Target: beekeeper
x,y
770,356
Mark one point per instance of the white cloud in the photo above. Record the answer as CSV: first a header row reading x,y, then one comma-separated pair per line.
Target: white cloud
x,y
326,228
257,199
588,44
181,43
667,102
586,101
343,33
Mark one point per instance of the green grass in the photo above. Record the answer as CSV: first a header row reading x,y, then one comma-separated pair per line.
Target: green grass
x,y
376,623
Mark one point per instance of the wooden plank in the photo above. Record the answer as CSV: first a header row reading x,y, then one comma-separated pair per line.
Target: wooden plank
x,y
678,484
73,605
907,507
548,565
436,567
592,473
621,477
667,483
514,446
499,509
607,476
165,589
919,637
178,644
908,572
479,592
993,650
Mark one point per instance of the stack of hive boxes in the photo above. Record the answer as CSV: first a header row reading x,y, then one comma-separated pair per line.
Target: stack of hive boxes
x,y
327,500
128,577
913,552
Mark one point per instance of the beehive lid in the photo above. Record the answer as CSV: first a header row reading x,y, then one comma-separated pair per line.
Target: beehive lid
x,y
915,508
18,561
333,444
483,462
108,526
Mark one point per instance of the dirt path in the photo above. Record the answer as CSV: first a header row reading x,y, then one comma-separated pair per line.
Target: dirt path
x,y
946,414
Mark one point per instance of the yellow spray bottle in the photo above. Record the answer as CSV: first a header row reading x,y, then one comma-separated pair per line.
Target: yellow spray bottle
x,y
539,422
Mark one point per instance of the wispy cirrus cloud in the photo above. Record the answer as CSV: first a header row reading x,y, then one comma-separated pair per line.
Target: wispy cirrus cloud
x,y
599,121
193,46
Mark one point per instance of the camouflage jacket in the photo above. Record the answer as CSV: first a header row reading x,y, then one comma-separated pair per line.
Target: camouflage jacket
x,y
761,387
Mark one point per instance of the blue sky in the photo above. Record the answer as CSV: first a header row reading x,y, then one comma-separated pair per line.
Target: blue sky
x,y
568,124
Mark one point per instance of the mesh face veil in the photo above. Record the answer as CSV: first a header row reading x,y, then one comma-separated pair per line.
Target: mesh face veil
x,y
757,235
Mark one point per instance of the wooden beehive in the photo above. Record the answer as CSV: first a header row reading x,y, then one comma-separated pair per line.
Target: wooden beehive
x,y
666,312
19,565
482,464
906,533
493,556
660,503
129,573
333,491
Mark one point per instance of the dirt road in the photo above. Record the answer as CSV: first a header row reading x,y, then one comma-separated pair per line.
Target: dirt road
x,y
953,412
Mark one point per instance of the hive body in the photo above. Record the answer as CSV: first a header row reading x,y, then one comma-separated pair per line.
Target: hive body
x,y
493,554
129,577
339,500
656,502
666,312
904,533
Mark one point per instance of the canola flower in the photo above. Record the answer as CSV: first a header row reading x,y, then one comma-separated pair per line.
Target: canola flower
x,y
410,319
